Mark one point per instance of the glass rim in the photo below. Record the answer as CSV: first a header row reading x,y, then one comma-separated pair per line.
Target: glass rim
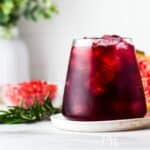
x,y
88,41
96,37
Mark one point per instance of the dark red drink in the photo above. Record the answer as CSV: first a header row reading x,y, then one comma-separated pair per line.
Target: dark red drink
x,y
103,81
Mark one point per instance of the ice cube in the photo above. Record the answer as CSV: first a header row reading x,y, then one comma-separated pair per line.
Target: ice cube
x,y
107,74
94,84
108,40
81,61
122,45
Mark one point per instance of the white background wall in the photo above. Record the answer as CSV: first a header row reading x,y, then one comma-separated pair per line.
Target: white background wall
x,y
49,42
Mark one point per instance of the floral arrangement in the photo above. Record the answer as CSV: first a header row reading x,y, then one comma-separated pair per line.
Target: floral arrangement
x,y
12,10
28,102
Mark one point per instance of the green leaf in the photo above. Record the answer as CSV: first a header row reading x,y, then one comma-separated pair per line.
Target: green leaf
x,y
6,7
12,10
37,112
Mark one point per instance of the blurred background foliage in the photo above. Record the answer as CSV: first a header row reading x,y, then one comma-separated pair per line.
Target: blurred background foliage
x,y
12,10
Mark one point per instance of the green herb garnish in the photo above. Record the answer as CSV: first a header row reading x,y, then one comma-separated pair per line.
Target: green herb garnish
x,y
37,112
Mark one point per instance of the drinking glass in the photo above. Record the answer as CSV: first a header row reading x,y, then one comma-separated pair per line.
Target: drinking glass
x,y
103,81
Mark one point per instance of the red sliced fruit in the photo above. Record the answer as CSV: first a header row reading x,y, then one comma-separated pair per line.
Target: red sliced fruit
x,y
144,67
26,92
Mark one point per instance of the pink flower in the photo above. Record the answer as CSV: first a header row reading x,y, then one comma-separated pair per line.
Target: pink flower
x,y
26,92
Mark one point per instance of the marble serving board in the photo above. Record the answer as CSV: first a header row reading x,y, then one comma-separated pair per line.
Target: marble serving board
x,y
59,121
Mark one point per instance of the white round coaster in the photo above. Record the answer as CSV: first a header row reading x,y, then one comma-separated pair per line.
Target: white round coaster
x,y
61,122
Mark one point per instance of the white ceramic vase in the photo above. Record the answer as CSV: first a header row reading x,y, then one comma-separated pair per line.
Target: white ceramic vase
x,y
14,60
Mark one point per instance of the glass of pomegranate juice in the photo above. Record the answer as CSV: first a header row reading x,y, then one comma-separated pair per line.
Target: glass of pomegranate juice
x,y
103,81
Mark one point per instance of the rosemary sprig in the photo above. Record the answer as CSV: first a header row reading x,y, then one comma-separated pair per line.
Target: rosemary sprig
x,y
37,112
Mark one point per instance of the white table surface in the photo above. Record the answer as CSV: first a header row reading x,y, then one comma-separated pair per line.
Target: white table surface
x,y
44,136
